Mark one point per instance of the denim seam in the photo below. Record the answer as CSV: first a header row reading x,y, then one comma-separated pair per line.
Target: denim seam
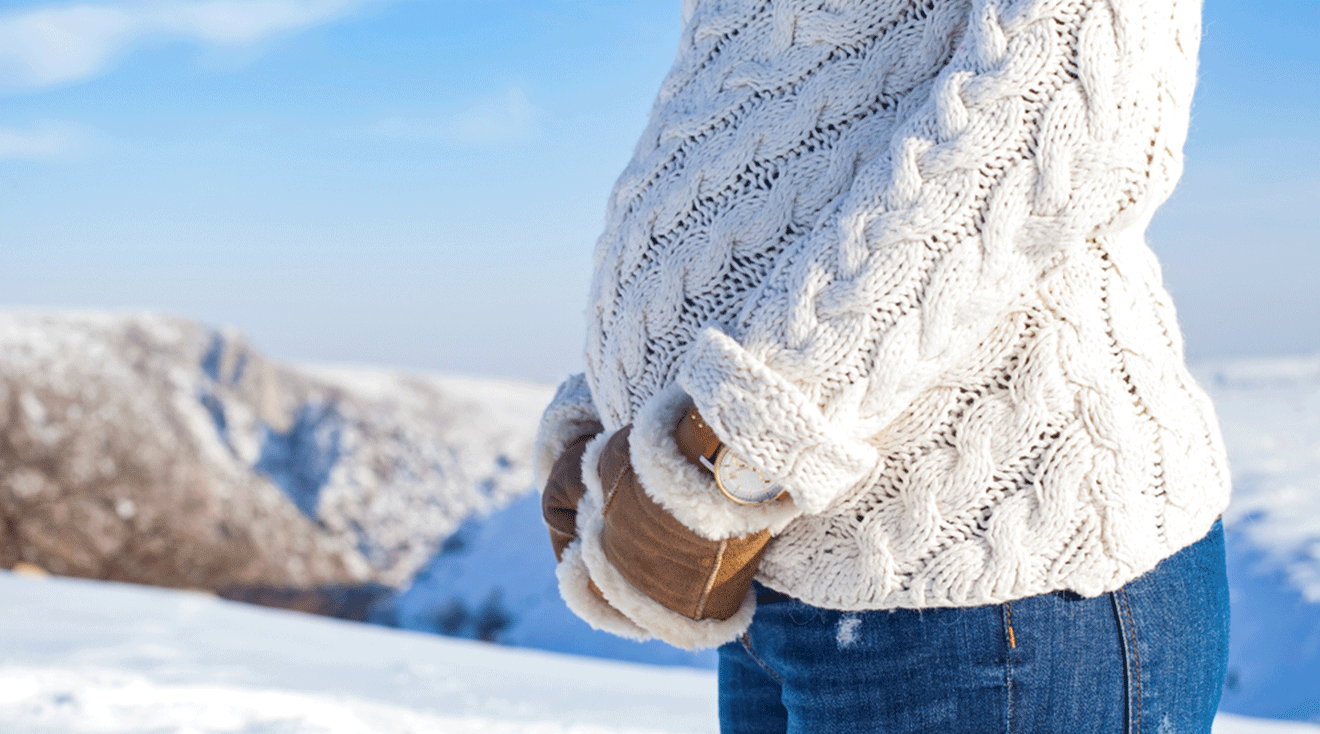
x,y
1136,658
1011,639
746,641
1131,660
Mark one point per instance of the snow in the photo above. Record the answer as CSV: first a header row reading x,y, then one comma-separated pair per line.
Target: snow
x,y
93,657
84,656
1270,413
1230,724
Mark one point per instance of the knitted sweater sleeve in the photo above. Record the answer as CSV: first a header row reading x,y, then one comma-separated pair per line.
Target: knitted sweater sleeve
x,y
570,416
1051,125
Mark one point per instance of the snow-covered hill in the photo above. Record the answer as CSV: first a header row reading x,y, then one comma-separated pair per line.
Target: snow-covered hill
x,y
83,657
152,449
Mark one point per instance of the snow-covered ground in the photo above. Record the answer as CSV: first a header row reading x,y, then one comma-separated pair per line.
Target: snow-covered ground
x,y
83,657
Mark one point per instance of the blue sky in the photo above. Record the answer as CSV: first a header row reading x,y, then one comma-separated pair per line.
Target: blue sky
x,y
419,183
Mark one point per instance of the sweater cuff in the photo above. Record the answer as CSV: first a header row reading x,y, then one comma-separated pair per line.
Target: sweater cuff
x,y
772,425
625,600
686,491
570,416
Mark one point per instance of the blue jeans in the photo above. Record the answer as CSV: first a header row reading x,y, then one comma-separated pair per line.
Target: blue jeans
x,y
1150,657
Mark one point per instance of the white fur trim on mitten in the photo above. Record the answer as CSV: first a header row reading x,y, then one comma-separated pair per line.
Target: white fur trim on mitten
x,y
581,600
688,492
570,416
656,619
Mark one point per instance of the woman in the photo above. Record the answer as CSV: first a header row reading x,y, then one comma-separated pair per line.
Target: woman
x,y
874,321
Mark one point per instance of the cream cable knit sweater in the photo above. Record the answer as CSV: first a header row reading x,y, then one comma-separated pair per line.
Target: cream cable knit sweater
x,y
894,252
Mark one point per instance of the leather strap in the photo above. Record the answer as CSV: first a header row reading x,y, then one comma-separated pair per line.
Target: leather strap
x,y
695,439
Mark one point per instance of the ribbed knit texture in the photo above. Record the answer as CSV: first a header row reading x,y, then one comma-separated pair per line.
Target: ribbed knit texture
x,y
894,251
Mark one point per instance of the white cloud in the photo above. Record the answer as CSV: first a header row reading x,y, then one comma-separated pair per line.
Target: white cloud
x,y
46,141
506,117
68,42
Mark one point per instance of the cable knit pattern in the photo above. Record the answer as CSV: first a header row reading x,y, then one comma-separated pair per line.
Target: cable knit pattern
x,y
571,416
894,251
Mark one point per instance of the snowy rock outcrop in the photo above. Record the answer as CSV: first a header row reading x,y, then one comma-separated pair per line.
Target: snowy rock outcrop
x,y
155,450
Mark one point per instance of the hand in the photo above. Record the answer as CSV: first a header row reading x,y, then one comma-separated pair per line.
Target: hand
x,y
562,492
689,574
